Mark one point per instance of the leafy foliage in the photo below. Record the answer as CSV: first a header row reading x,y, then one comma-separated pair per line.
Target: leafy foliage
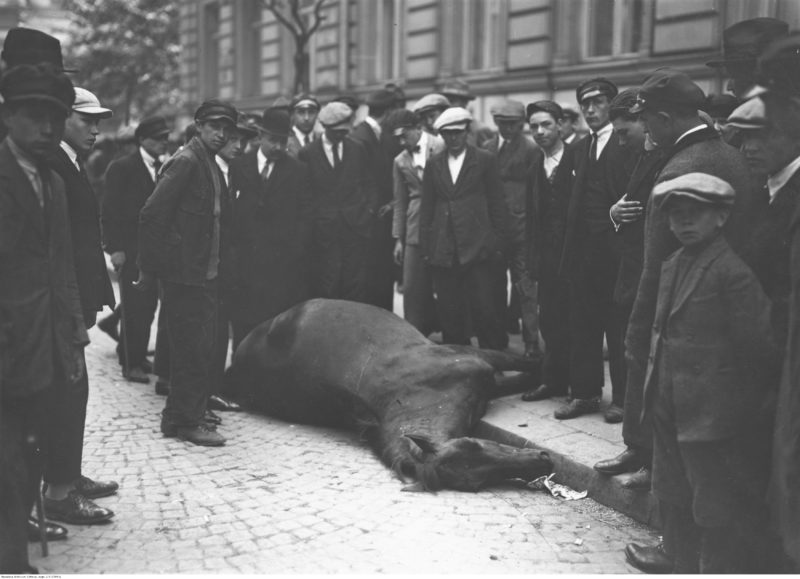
x,y
127,53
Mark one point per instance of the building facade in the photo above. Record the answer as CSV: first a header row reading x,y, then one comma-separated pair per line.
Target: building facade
x,y
522,49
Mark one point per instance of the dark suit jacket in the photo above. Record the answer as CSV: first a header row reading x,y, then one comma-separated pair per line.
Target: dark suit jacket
x,y
515,163
610,187
348,197
90,265
270,236
38,291
128,185
714,330
467,219
177,221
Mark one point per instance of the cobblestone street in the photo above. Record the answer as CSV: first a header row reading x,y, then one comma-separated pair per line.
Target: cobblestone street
x,y
283,498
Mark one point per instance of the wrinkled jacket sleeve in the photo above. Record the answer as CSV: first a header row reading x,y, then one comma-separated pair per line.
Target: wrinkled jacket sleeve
x,y
400,202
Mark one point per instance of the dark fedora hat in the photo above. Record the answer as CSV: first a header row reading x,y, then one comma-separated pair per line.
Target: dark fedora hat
x,y
744,42
30,46
42,82
151,127
275,122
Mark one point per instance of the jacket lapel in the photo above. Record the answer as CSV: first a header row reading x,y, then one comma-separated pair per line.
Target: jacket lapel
x,y
466,168
21,188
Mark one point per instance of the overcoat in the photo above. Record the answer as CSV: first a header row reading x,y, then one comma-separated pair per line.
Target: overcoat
x,y
270,237
38,290
713,329
515,162
466,220
91,272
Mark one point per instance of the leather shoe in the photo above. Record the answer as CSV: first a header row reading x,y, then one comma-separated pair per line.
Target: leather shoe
x,y
95,490
52,531
146,366
637,481
627,461
651,560
76,509
577,407
162,387
200,435
212,418
109,326
223,404
136,374
543,392
613,414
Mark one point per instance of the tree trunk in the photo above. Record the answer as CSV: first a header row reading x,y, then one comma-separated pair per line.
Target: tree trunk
x,y
301,72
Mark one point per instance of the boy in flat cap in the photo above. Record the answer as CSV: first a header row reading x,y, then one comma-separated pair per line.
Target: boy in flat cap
x,y
67,415
345,203
40,307
130,180
304,110
181,237
710,351
515,154
380,150
463,233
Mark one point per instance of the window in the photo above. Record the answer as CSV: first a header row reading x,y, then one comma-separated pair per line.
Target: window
x,y
614,27
210,50
248,49
483,34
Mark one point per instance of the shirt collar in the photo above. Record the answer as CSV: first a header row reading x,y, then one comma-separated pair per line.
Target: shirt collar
x,y
261,160
605,131
222,164
777,181
148,159
690,131
73,156
376,128
301,136
558,153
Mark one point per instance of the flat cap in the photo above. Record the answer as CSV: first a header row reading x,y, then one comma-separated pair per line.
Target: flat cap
x,y
303,101
30,46
622,103
88,104
453,119
721,105
553,108
667,87
457,88
401,119
275,121
698,186
743,42
751,114
430,101
244,125
510,110
350,100
595,87
381,99
151,127
779,65
215,109
41,82
336,114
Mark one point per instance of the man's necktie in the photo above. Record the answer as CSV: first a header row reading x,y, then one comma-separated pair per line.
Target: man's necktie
x,y
156,167
336,159
502,148
593,148
265,172
306,140
415,149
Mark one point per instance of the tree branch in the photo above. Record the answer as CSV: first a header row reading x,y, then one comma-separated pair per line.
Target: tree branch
x,y
301,24
272,6
318,17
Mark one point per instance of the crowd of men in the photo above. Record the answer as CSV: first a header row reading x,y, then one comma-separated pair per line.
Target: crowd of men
x,y
664,240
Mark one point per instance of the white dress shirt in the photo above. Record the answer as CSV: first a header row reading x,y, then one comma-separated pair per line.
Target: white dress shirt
x,y
301,136
455,164
262,161
551,162
149,162
376,128
603,136
71,153
420,158
224,167
779,179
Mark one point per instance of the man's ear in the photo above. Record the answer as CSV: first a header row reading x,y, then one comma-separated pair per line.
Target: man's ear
x,y
722,216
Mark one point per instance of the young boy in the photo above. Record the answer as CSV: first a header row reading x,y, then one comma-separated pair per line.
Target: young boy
x,y
711,348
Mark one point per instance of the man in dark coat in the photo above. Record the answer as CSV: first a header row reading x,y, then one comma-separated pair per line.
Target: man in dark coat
x,y
547,200
181,238
271,229
370,133
69,494
130,180
668,101
344,202
589,260
515,154
39,297
463,232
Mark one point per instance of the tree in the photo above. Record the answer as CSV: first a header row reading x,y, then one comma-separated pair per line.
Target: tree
x,y
289,14
126,52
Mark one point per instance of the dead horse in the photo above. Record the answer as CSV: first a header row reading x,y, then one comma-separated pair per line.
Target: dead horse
x,y
346,364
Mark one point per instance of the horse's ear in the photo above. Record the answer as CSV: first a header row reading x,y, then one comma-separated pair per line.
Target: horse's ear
x,y
424,443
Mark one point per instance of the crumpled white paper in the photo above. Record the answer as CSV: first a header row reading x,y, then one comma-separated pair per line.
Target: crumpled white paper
x,y
559,491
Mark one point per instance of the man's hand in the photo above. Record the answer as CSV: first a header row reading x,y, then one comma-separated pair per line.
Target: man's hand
x,y
384,210
80,368
145,282
118,260
398,252
624,211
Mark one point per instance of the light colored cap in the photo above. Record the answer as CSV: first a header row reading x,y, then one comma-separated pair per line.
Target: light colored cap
x,y
511,110
88,104
698,186
751,114
335,114
454,118
431,101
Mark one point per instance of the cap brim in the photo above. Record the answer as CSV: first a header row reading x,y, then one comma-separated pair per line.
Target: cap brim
x,y
217,118
672,195
453,127
95,112
637,108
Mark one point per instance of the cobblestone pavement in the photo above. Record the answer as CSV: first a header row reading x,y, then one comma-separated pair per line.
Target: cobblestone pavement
x,y
282,498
